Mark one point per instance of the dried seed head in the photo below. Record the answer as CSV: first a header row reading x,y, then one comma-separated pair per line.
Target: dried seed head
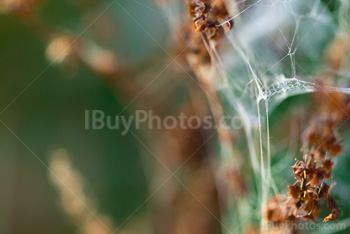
x,y
207,15
321,145
276,212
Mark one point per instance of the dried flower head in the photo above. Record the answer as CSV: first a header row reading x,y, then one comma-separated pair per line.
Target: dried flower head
x,y
207,15
321,144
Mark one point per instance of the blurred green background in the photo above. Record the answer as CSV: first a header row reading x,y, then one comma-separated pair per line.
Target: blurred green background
x,y
49,114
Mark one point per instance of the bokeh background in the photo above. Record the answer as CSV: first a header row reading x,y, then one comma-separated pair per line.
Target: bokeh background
x,y
44,106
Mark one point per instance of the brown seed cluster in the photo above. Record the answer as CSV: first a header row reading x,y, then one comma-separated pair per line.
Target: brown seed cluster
x,y
279,211
207,15
310,189
209,21
321,145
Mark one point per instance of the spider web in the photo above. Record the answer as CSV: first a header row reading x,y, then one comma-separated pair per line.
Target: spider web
x,y
275,51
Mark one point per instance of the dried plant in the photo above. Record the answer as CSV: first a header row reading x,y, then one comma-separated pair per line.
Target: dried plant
x,y
74,199
321,145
